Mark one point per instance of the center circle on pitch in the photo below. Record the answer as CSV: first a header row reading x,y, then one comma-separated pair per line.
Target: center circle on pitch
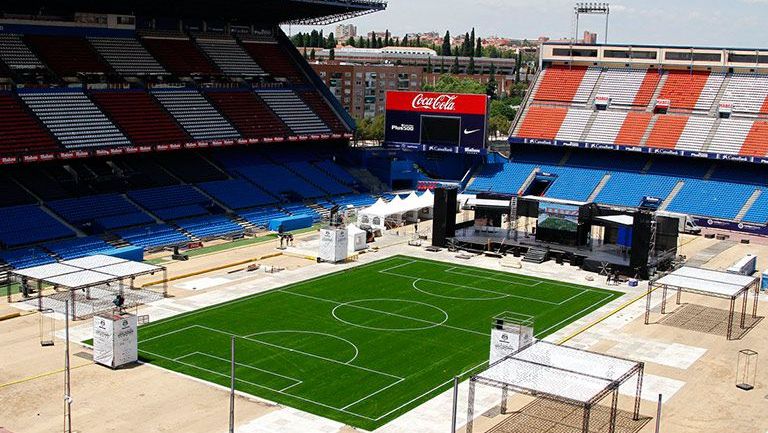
x,y
385,314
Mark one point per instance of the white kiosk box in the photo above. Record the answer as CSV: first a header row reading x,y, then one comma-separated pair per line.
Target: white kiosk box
x,y
333,244
115,339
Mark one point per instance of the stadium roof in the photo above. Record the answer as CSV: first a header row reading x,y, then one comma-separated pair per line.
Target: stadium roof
x,y
253,11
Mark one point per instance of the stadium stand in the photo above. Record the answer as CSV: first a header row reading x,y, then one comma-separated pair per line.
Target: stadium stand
x,y
756,142
624,85
190,167
629,189
68,56
140,117
172,202
16,55
25,225
574,124
758,213
711,198
337,172
210,227
248,113
294,112
179,56
262,216
730,136
153,236
101,212
198,117
567,84
691,90
572,183
26,258
633,129
274,60
231,59
19,131
606,127
748,93
695,133
666,132
542,122
12,194
278,181
127,56
80,247
237,194
501,178
74,119
319,106
317,177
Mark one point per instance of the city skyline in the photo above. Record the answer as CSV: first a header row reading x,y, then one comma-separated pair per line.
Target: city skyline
x,y
727,24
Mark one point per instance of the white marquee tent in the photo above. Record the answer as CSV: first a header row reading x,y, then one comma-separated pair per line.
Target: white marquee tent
x,y
383,214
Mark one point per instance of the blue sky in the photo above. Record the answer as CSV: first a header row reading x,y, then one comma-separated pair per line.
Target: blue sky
x,y
727,23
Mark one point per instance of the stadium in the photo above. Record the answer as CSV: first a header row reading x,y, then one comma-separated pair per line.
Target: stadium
x,y
193,238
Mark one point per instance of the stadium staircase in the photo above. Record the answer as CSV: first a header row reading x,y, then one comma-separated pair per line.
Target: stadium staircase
x,y
595,91
713,111
588,126
657,92
649,130
671,197
536,255
748,205
711,135
368,180
599,187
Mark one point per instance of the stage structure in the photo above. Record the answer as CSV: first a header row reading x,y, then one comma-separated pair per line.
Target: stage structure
x,y
562,374
710,283
90,284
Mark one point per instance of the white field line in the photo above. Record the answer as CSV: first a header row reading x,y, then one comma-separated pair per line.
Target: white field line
x,y
292,379
471,274
477,289
373,310
371,395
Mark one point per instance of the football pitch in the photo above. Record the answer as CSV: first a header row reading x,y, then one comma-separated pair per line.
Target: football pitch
x,y
364,345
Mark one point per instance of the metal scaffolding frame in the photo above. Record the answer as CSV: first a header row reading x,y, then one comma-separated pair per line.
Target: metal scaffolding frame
x,y
529,366
83,274
705,282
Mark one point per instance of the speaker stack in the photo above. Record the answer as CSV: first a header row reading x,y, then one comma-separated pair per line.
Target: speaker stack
x,y
444,221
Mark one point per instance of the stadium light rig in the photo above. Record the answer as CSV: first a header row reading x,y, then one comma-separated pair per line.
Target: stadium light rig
x,y
591,9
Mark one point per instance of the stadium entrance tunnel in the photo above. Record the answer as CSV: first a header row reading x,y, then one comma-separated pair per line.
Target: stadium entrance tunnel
x,y
540,184
390,315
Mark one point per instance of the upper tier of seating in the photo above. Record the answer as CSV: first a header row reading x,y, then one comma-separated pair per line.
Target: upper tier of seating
x,y
748,93
629,87
230,57
23,225
321,107
16,55
249,114
691,90
274,60
19,131
74,119
179,56
100,212
567,84
139,116
294,112
542,122
193,112
68,56
127,56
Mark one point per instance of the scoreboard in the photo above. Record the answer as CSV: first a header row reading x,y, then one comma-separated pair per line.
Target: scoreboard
x,y
437,122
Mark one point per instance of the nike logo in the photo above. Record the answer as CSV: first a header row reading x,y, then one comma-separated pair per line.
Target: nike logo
x,y
467,131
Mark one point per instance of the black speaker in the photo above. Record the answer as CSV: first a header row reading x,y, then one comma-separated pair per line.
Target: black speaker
x,y
641,243
444,216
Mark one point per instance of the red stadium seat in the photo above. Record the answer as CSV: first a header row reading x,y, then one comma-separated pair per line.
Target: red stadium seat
x,y
249,114
633,128
19,131
560,83
179,56
275,61
683,88
542,122
68,55
647,89
666,132
319,106
756,143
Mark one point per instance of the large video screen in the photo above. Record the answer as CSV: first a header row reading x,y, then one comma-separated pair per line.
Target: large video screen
x,y
441,130
558,217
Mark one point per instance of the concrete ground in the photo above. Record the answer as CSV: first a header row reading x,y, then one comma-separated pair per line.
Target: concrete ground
x,y
694,370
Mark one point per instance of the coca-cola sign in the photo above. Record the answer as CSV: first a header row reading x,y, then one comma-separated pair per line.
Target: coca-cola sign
x,y
436,103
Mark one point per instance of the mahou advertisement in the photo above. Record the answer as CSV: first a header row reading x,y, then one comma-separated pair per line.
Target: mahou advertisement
x,y
437,122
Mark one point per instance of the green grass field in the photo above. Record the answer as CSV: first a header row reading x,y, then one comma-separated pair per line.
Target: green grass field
x,y
367,344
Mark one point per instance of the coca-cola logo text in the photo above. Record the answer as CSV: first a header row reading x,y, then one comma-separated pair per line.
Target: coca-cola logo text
x,y
439,103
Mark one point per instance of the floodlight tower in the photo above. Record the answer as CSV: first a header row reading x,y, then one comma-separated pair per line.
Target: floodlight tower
x,y
591,9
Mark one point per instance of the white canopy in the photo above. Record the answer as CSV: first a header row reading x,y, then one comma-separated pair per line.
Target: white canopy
x,y
380,211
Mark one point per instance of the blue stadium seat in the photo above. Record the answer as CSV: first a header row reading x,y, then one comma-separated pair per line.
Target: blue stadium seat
x,y
172,202
573,183
758,213
318,177
210,226
237,193
711,198
278,180
23,225
154,236
26,258
501,178
262,216
102,212
338,172
628,189
80,247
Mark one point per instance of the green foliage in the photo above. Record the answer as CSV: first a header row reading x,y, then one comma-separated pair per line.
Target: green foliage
x,y
471,66
332,54
446,49
452,84
455,68
498,125
371,128
503,108
330,42
479,48
312,54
